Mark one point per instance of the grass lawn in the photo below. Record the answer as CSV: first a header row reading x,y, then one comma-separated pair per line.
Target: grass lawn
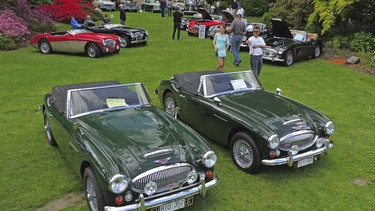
x,y
33,174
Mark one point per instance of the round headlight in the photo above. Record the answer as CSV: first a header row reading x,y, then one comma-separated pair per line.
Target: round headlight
x,y
118,183
150,188
273,142
319,143
329,128
294,150
209,159
192,177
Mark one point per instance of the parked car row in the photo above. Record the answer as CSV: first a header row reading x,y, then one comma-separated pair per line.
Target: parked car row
x,y
132,155
283,45
94,41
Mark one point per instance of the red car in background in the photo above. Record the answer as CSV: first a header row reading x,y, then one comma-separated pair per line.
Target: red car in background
x,y
208,21
77,41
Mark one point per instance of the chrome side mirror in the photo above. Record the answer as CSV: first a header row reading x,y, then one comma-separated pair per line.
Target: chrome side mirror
x,y
278,91
217,101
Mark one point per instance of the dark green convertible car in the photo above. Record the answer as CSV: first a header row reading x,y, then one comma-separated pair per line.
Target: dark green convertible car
x,y
130,154
260,127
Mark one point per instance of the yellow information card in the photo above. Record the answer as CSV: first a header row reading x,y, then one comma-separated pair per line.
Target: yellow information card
x,y
115,102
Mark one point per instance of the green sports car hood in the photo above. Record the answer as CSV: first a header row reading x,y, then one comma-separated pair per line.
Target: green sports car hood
x,y
139,139
271,113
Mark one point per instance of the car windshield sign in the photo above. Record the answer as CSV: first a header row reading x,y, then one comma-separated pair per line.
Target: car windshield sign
x,y
225,83
92,100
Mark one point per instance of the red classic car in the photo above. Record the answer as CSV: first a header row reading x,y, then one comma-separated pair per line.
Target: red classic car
x,y
77,41
208,21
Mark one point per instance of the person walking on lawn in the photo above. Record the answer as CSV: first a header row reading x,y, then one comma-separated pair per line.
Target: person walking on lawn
x,y
238,29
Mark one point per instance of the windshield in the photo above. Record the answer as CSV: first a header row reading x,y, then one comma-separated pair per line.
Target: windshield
x,y
90,100
77,31
224,83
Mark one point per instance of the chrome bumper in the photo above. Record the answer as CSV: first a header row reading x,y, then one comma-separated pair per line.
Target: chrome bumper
x,y
144,204
138,41
291,159
273,59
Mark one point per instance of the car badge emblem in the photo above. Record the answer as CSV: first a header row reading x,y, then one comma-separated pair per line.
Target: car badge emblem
x,y
298,127
162,161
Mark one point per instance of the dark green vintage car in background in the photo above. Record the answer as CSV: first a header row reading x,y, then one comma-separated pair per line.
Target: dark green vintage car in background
x,y
260,127
130,154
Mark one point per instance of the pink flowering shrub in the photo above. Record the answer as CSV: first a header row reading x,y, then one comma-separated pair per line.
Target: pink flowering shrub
x,y
12,26
36,19
19,20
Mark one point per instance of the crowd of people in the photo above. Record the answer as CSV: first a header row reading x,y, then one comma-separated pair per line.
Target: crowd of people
x,y
238,28
221,40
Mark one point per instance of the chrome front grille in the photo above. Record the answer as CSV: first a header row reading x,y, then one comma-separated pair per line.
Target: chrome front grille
x,y
138,35
304,139
111,43
166,177
268,53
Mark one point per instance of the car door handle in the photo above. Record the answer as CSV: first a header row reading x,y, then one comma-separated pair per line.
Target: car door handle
x,y
182,96
50,114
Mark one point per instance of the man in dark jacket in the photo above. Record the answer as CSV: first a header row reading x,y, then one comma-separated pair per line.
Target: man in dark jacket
x,y
177,19
163,6
122,14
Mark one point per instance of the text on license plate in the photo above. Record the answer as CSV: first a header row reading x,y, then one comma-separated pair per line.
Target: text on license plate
x,y
305,162
175,205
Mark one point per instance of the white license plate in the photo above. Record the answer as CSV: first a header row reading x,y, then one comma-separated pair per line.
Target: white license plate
x,y
175,205
305,162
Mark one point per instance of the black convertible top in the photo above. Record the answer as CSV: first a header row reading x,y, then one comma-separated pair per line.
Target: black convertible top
x,y
190,81
59,93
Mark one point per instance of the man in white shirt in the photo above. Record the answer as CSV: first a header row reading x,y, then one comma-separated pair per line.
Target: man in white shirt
x,y
256,45
240,11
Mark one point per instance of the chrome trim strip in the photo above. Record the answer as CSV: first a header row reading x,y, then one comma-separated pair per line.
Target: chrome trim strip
x,y
147,204
291,159
71,144
220,118
291,121
159,152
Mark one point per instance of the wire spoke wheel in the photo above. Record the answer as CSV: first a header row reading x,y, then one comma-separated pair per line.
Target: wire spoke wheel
x,y
170,104
91,194
45,47
243,154
317,52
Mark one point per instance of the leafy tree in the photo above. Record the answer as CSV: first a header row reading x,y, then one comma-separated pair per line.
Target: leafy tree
x,y
294,12
254,7
328,12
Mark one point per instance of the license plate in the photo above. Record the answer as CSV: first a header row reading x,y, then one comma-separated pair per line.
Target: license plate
x,y
174,205
305,162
